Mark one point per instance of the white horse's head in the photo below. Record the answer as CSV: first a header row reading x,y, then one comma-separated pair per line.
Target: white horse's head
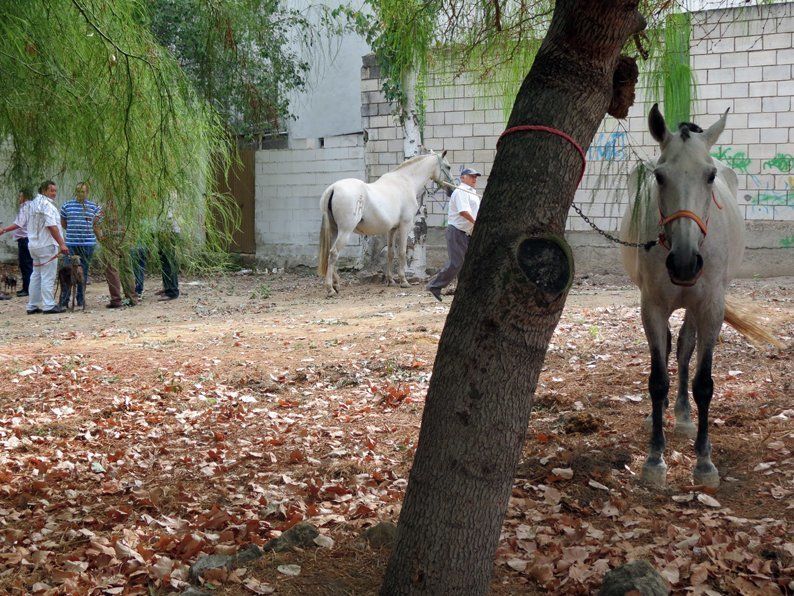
x,y
685,175
443,171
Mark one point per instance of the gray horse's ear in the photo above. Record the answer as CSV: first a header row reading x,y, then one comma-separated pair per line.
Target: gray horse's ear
x,y
715,130
444,153
657,125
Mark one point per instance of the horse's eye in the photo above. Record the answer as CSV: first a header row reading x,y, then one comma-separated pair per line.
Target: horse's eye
x,y
711,177
659,178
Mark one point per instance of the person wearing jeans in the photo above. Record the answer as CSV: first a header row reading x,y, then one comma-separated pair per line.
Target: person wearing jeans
x,y
23,254
79,217
40,219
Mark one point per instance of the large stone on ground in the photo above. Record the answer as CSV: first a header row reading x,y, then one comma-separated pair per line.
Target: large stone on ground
x,y
209,562
381,535
300,535
638,576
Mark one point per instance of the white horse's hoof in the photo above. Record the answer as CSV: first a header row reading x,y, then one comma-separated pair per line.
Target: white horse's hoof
x,y
405,284
685,428
706,475
655,475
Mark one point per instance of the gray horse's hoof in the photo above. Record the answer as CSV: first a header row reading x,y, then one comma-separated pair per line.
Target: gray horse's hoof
x,y
648,423
405,284
707,475
655,475
685,429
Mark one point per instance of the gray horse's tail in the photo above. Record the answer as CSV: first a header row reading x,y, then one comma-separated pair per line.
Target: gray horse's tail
x,y
325,231
745,320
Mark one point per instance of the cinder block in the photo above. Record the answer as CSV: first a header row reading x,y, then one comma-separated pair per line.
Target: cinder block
x,y
763,89
748,43
763,58
463,104
748,74
474,142
721,75
761,151
747,136
746,106
735,60
785,56
735,90
460,157
462,130
474,117
780,72
453,117
702,62
481,130
774,135
763,120
776,104
776,41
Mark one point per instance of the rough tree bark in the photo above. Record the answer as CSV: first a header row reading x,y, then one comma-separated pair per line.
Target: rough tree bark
x,y
511,295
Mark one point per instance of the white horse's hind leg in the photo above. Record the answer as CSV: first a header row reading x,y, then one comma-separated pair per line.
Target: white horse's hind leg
x,y
403,248
708,324
654,471
390,257
683,411
331,277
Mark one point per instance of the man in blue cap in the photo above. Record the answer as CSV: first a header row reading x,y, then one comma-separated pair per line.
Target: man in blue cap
x,y
462,212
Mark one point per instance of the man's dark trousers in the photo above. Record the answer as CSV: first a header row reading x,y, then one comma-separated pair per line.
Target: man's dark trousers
x,y
457,244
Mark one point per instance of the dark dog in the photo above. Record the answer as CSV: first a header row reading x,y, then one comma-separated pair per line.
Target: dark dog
x,y
70,277
10,283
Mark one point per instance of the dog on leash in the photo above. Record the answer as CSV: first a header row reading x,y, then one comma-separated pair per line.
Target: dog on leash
x,y
9,283
70,277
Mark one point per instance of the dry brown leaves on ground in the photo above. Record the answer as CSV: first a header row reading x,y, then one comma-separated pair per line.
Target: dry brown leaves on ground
x,y
136,441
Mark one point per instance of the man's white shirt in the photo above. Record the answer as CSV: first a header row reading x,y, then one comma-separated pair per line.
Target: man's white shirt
x,y
36,216
464,198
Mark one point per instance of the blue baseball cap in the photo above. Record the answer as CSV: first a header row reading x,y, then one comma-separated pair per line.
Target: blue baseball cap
x,y
470,172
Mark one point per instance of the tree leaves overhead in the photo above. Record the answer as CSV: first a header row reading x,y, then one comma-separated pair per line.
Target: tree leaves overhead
x,y
88,92
240,54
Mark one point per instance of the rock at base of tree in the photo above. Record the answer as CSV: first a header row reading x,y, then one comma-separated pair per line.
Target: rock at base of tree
x,y
194,591
381,535
638,577
208,562
300,535
250,553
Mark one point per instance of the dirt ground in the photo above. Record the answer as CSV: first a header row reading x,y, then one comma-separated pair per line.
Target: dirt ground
x,y
135,441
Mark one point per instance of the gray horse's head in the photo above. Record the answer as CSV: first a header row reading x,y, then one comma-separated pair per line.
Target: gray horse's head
x,y
685,175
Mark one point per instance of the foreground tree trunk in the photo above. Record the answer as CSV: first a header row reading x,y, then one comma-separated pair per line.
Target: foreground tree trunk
x,y
511,294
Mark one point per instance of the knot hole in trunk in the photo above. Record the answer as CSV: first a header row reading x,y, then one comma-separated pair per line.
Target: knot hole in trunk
x,y
547,264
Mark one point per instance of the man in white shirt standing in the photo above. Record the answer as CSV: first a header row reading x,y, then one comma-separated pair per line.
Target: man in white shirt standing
x,y
42,221
463,207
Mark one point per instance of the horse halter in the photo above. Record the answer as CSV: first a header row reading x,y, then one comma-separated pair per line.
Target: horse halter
x,y
684,214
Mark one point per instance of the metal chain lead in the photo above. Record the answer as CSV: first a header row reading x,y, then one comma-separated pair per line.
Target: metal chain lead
x,y
646,245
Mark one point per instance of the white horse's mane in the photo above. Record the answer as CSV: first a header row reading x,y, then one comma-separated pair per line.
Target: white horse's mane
x,y
412,160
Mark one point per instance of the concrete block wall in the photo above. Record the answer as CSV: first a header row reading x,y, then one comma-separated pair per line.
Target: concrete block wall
x,y
743,59
289,183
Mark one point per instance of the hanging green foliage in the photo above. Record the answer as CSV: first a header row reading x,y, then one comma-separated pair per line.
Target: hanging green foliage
x,y
88,93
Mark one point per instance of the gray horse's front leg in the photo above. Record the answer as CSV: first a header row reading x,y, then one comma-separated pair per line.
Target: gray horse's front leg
x,y
686,345
654,471
702,389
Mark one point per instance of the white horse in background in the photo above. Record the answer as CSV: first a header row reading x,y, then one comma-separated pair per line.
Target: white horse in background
x,y
689,200
387,206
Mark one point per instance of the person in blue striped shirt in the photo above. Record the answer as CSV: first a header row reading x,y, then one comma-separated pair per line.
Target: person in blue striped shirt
x,y
79,218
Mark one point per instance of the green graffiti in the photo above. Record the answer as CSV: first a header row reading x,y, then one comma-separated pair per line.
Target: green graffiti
x,y
787,242
782,161
774,197
738,160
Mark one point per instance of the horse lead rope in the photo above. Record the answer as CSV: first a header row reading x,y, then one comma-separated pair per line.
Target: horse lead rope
x,y
538,127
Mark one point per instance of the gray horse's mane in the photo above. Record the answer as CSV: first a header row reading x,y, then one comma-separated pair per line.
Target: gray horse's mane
x,y
686,127
411,161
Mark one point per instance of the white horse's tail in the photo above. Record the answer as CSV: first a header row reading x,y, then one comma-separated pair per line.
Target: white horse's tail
x,y
746,321
325,231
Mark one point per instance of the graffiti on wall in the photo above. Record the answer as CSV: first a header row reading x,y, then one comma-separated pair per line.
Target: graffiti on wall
x,y
782,161
787,242
609,146
738,160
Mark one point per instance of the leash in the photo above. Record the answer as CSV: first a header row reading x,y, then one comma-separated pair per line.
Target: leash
x,y
48,260
563,135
